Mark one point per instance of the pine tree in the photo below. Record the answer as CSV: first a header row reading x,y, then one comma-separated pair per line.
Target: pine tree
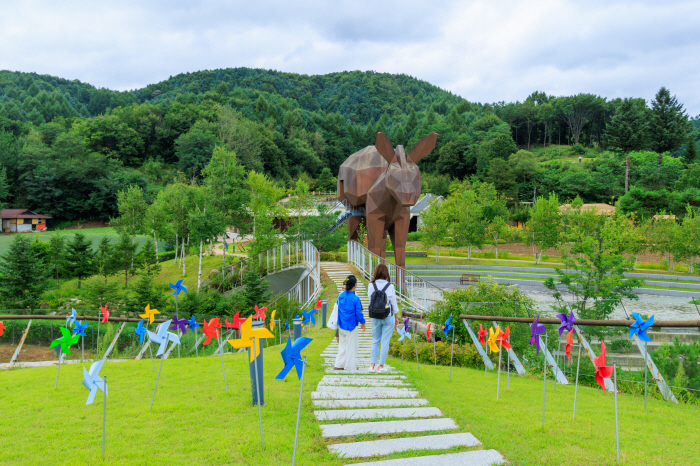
x,y
256,287
148,262
690,155
102,257
22,275
79,256
57,257
145,292
669,125
627,131
123,254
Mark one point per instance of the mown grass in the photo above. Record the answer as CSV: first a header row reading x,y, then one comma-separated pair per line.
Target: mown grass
x,y
94,235
664,434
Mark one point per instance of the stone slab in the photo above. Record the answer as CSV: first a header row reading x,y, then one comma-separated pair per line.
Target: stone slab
x,y
372,376
362,370
386,427
467,458
378,413
386,447
350,393
378,402
367,383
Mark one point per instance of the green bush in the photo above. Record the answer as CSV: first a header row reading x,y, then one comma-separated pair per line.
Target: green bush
x,y
415,236
577,149
334,256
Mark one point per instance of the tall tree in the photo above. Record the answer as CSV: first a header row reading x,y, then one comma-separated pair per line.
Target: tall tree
x,y
577,111
22,275
57,256
627,130
264,209
544,225
669,123
691,155
434,227
79,256
123,255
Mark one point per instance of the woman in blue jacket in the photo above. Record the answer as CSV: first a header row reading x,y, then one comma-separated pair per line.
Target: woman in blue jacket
x,y
349,316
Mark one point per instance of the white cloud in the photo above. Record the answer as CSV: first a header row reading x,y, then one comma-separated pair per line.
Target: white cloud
x,y
484,51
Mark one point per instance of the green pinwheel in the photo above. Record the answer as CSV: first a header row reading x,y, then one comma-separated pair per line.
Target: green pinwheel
x,y
66,340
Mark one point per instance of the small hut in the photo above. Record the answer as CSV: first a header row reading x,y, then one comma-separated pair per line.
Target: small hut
x,y
22,220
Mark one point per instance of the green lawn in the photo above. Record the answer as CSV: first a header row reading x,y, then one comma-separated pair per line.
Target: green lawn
x,y
92,234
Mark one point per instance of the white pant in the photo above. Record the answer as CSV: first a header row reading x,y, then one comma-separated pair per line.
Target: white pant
x,y
347,350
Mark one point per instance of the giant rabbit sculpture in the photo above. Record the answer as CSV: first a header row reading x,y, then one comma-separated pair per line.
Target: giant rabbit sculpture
x,y
386,182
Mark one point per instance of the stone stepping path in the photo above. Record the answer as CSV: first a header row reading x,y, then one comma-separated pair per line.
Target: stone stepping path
x,y
358,402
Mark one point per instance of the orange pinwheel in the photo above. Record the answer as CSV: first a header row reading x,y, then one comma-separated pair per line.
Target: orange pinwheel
x,y
210,329
601,371
502,337
569,342
105,313
248,334
482,334
493,346
260,313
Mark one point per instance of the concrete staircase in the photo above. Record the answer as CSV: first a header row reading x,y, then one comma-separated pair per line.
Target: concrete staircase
x,y
357,402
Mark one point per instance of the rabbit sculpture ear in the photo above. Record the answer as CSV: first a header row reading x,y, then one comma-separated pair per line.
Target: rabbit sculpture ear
x,y
424,147
384,147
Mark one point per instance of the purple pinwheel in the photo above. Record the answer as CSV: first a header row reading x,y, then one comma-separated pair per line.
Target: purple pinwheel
x,y
179,324
567,323
536,329
405,324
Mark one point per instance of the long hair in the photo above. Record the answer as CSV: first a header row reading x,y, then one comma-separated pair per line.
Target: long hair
x,y
381,273
350,282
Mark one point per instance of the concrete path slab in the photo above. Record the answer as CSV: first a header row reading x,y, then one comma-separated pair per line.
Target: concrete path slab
x,y
386,447
378,413
372,376
469,458
366,383
353,393
362,370
390,402
386,427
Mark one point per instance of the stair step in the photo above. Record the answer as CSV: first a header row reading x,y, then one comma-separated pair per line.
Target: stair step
x,y
363,383
388,402
376,413
386,447
349,393
467,458
386,427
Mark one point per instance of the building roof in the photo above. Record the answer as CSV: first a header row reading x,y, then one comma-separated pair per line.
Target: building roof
x,y
599,208
20,213
424,202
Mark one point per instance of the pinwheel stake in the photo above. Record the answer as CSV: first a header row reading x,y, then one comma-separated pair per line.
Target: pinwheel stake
x,y
140,331
578,367
617,426
415,347
161,337
429,334
65,341
192,325
104,418
178,286
447,328
296,431
502,338
79,330
105,317
639,328
544,385
257,391
221,356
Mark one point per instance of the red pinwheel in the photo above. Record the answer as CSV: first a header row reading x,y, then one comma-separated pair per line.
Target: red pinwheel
x,y
482,334
429,332
105,313
211,329
318,305
602,372
502,338
229,325
2,328
237,322
259,313
569,342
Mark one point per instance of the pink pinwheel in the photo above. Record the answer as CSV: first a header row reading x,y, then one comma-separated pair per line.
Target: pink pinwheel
x,y
105,313
179,324
567,323
482,334
601,371
536,329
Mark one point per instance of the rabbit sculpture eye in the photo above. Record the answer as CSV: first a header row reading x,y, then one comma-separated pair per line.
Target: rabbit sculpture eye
x,y
384,183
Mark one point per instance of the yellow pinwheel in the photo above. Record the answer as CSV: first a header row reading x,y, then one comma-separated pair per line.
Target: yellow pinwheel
x,y
493,339
272,321
247,336
150,313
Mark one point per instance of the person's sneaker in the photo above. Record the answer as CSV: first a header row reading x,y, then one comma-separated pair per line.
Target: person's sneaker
x,y
371,367
382,369
339,368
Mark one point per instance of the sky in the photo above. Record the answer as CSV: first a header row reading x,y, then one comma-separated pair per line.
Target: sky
x,y
484,51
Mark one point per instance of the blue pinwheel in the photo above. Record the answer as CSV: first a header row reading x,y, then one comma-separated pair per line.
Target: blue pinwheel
x,y
70,319
640,326
297,316
92,380
179,324
225,244
162,337
567,323
79,329
536,329
308,316
192,324
292,357
403,332
286,325
178,286
140,331
448,325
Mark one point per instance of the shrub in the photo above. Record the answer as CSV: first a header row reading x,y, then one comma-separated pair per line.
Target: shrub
x,y
577,149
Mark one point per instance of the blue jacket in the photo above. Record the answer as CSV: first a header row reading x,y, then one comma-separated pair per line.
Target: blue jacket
x,y
349,311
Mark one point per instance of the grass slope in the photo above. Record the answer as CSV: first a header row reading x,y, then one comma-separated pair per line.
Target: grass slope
x,y
94,235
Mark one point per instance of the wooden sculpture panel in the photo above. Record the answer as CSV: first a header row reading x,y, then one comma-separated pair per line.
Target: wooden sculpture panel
x,y
386,182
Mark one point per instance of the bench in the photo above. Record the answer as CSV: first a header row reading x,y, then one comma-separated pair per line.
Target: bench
x,y
469,278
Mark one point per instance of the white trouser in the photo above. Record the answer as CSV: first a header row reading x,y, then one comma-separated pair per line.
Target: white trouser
x,y
347,350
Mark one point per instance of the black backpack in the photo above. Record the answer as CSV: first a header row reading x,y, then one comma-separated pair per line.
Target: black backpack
x,y
379,308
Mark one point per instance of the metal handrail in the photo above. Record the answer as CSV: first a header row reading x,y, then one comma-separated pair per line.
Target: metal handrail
x,y
302,291
418,293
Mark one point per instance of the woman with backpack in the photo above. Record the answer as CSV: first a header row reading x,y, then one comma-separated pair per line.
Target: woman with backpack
x,y
349,316
384,313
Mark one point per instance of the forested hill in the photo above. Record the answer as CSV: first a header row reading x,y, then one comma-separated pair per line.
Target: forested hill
x,y
358,96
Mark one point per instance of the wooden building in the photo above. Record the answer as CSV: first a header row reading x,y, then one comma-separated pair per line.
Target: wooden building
x,y
22,220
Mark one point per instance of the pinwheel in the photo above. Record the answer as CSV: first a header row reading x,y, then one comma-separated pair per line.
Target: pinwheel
x,y
179,324
70,319
162,337
250,338
502,338
493,336
569,343
567,322
448,326
105,313
192,323
404,333
228,325
319,304
601,371
429,333
140,330
92,380
105,318
286,325
640,326
482,334
308,317
2,328
405,324
149,314
79,329
211,330
65,341
291,355
178,286
259,313
536,329
272,320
